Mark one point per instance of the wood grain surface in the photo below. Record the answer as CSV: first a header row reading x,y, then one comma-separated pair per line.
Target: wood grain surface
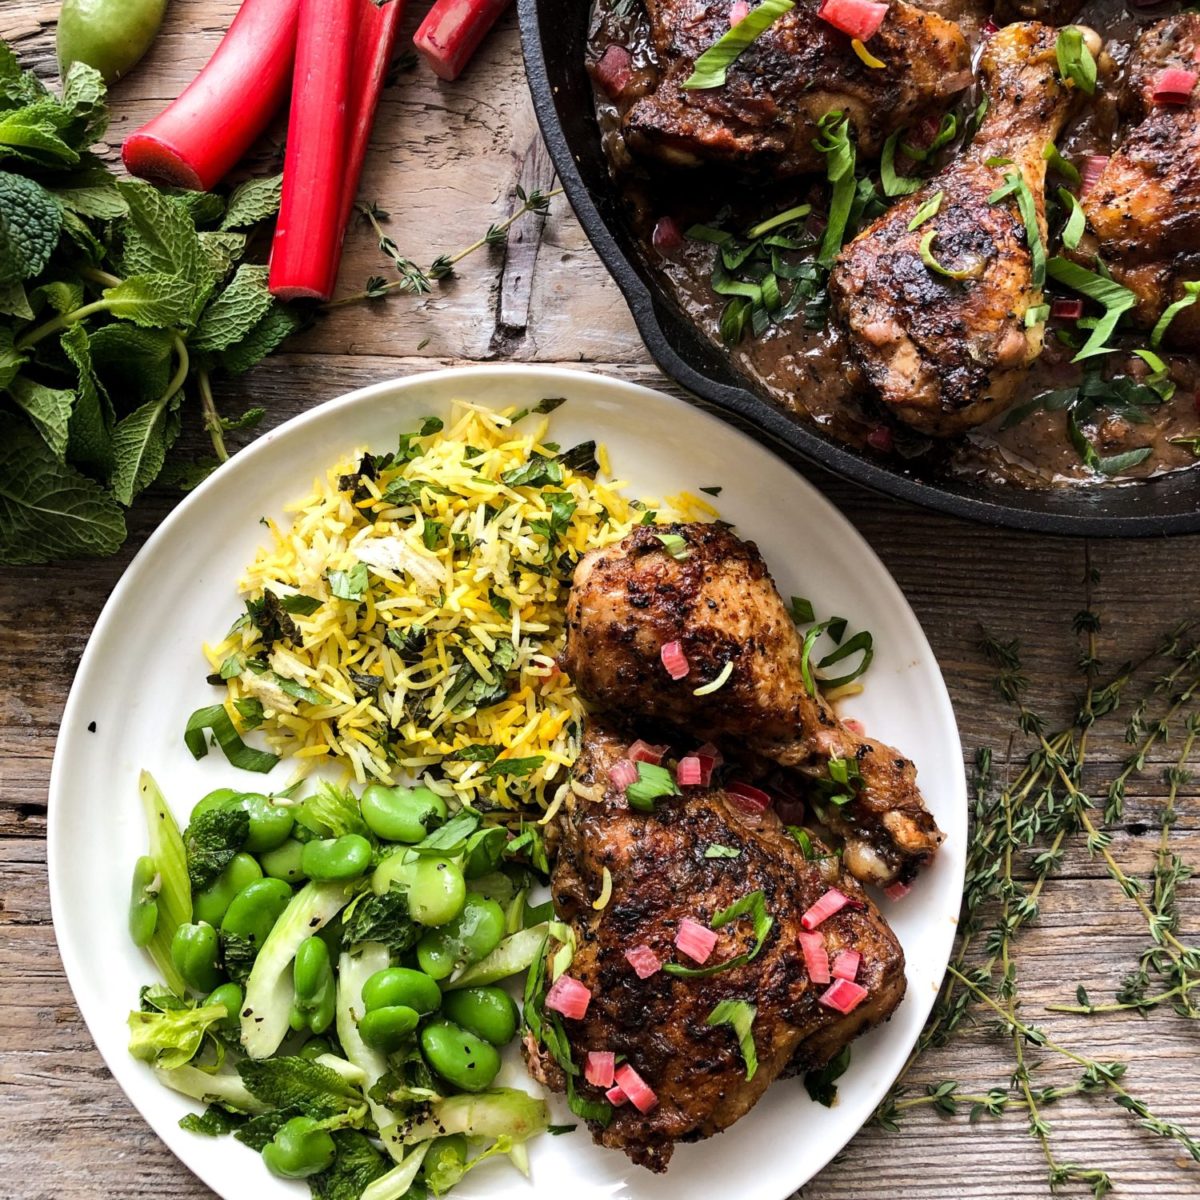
x,y
444,163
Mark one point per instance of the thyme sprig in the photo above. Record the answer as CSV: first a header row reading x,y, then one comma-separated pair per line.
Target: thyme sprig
x,y
419,281
1022,827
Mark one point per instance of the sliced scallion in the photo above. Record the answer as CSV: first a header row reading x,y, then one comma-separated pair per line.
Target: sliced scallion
x,y
711,67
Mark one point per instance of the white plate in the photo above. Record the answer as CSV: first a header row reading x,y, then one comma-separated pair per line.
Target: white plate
x,y
142,675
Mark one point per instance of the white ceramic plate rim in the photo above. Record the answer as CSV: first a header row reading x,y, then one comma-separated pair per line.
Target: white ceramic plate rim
x,y
935,946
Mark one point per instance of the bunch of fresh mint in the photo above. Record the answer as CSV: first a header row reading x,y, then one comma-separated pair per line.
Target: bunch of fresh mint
x,y
117,301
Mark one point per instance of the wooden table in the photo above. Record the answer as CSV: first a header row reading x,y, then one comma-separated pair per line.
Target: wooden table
x,y
445,162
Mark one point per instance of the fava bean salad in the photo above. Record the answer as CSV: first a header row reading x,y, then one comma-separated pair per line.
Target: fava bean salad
x,y
329,968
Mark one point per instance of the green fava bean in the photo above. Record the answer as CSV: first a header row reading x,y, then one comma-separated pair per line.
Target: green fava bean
x,y
315,1047
213,902
112,37
459,1056
285,861
445,1162
400,814
487,1012
300,1148
436,891
331,859
143,901
220,798
312,976
472,935
403,986
255,909
388,1029
196,952
270,822
232,997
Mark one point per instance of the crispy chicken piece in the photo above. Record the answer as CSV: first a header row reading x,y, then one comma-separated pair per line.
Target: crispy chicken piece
x,y
766,114
946,354
721,604
1145,208
659,876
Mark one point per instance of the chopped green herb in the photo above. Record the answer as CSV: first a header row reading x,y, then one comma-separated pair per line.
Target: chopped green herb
x,y
821,1085
712,66
1066,169
926,250
717,682
351,584
302,606
930,208
787,217
711,491
515,766
895,185
718,851
833,141
1116,300
1192,294
1015,185
675,545
752,905
537,472
1076,219
1075,61
802,611
652,783
240,755
739,1014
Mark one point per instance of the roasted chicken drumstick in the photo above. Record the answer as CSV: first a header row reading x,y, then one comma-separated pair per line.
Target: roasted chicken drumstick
x,y
765,115
660,875
716,598
1145,208
947,348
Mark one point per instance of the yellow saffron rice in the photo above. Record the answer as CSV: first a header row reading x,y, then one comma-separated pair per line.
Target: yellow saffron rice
x,y
440,663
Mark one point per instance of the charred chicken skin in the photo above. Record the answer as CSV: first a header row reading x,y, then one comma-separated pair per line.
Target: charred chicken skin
x,y
1145,208
946,353
660,875
717,599
766,114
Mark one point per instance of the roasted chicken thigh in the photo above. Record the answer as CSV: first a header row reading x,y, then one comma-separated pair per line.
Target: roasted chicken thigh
x,y
716,598
661,875
946,346
765,115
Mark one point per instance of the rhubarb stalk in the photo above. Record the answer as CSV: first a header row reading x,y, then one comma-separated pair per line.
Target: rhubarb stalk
x,y
452,31
199,137
308,233
377,26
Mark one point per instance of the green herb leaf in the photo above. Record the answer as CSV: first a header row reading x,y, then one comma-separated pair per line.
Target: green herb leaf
x,y
49,410
581,459
234,311
351,584
739,1014
820,1085
719,851
895,185
211,841
711,67
152,301
537,472
833,141
47,509
930,208
1191,295
926,251
30,224
653,782
753,905
286,1081
381,919
1117,301
253,201
1057,163
1076,219
240,755
515,766
863,641
1075,61
675,545
1015,185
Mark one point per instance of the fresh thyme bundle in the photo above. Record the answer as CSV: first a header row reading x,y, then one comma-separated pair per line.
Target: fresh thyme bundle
x,y
1022,827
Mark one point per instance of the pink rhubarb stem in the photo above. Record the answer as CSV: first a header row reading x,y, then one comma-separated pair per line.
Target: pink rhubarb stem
x,y
199,137
376,37
308,233
452,31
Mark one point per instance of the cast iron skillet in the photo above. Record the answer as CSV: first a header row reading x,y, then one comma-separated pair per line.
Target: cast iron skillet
x,y
553,37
